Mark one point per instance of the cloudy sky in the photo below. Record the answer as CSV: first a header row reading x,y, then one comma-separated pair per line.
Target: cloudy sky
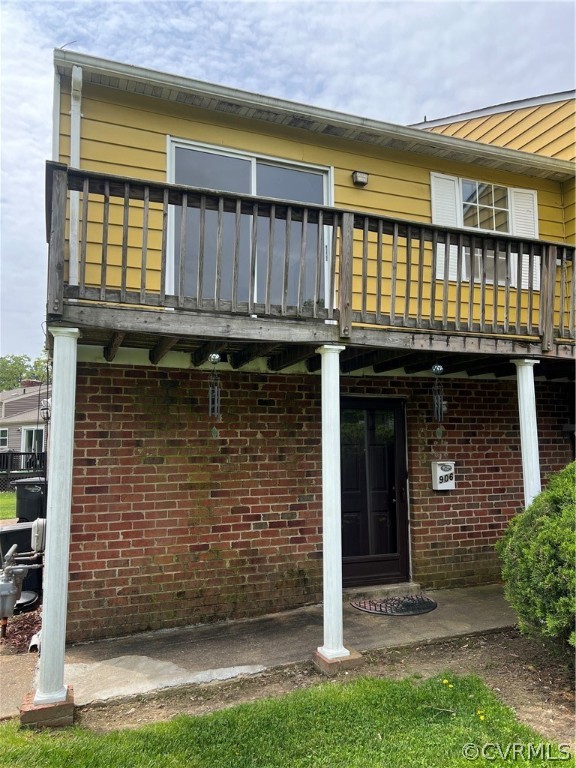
x,y
394,61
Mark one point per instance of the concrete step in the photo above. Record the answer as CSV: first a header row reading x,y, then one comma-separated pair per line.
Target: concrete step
x,y
381,591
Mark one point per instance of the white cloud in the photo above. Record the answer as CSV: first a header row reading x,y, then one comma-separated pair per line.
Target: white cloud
x,y
395,61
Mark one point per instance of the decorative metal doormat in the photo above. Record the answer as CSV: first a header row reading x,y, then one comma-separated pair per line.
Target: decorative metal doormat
x,y
410,605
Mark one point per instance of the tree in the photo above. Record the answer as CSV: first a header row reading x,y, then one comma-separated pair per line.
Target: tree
x,y
15,368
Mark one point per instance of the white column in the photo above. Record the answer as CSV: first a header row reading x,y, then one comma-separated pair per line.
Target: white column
x,y
528,428
51,686
333,647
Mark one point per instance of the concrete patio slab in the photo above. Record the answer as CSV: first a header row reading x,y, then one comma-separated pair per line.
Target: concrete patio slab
x,y
150,661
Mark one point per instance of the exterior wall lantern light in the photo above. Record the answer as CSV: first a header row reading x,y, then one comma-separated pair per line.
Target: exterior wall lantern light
x,y
46,410
360,178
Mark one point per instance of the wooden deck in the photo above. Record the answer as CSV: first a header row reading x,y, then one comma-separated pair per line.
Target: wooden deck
x,y
180,263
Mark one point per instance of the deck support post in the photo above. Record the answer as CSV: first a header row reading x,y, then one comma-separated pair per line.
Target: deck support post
x,y
333,647
51,688
528,428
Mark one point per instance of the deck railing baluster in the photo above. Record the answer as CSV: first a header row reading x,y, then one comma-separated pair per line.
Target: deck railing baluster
x,y
125,222
420,284
144,262
84,237
236,258
164,248
495,288
201,249
333,267
104,265
318,264
218,276
253,260
379,235
364,269
302,266
286,271
408,274
507,287
445,283
471,284
483,274
433,278
180,288
530,286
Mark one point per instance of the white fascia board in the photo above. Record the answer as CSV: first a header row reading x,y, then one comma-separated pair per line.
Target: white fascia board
x,y
414,139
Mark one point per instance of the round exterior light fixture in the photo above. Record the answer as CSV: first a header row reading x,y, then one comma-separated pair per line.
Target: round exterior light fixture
x,y
214,358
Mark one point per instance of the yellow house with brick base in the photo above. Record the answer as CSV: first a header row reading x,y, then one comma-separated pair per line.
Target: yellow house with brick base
x,y
294,350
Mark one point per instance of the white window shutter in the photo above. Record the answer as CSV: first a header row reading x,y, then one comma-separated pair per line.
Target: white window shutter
x,y
524,220
446,213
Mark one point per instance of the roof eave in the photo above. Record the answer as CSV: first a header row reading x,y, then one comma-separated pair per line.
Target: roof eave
x,y
317,120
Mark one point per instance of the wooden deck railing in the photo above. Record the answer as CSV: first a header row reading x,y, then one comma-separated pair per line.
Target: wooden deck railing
x,y
161,245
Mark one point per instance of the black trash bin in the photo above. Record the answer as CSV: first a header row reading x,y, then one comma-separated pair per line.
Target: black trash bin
x,y
30,498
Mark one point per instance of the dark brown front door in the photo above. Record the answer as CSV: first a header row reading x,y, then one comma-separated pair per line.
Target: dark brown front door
x,y
374,506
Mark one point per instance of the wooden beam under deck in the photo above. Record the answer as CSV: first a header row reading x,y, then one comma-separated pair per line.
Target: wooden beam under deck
x,y
157,323
161,349
111,350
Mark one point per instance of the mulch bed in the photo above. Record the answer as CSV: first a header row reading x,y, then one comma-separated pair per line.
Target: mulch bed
x,y
20,630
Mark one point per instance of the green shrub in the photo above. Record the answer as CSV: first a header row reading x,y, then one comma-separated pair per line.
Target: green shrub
x,y
538,552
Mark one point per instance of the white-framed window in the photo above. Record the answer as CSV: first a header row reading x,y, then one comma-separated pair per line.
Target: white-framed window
x,y
3,438
32,439
491,209
212,167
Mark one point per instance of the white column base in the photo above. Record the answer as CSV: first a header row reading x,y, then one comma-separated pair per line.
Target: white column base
x,y
54,697
333,653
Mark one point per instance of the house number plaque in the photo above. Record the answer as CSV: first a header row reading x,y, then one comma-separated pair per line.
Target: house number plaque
x,y
443,476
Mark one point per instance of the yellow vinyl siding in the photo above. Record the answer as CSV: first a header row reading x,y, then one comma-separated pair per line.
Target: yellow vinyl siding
x,y
547,129
129,138
569,199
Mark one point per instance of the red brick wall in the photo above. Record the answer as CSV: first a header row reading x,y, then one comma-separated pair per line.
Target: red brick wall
x,y
177,519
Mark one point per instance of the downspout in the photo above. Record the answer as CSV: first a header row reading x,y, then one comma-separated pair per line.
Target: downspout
x,y
56,119
75,120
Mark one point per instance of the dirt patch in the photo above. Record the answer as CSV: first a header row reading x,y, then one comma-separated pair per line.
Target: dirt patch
x,y
524,673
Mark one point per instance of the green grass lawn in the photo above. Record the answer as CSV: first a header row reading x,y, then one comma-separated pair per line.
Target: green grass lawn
x,y
7,505
369,723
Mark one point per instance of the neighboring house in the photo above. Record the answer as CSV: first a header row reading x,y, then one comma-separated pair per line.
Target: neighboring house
x,y
206,490
22,429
